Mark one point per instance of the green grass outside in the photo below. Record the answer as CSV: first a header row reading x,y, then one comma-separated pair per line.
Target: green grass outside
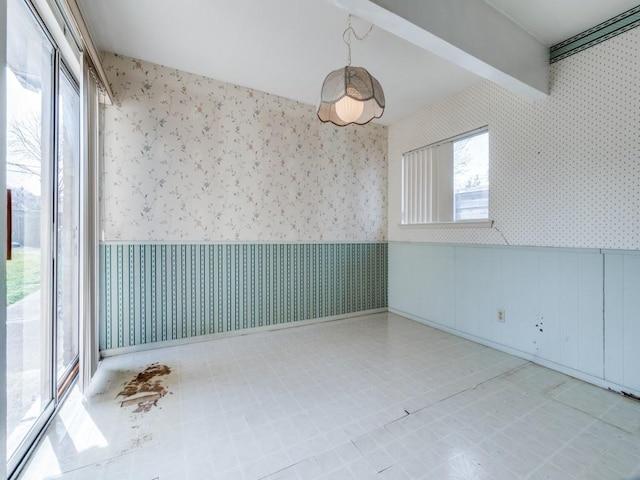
x,y
23,273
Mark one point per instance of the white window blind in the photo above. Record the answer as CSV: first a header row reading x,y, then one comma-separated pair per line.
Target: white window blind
x,y
446,181
428,185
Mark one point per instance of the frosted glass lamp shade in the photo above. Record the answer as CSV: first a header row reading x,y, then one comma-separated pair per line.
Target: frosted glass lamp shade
x,y
348,109
350,95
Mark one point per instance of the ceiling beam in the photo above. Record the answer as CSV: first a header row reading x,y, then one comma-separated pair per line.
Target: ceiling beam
x,y
468,33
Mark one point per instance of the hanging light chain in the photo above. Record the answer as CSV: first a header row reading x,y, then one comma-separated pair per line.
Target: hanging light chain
x,y
346,37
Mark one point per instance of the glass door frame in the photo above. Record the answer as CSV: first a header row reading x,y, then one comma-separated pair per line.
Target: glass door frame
x,y
47,161
63,382
14,461
3,231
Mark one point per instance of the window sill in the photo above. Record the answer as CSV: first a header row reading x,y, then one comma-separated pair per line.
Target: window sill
x,y
459,224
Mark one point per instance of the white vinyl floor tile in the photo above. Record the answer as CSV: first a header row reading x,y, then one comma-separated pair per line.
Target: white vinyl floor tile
x,y
374,397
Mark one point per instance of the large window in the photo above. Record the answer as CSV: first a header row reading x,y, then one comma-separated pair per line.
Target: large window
x,y
447,181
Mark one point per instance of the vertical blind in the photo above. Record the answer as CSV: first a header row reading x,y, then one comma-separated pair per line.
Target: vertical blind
x,y
427,185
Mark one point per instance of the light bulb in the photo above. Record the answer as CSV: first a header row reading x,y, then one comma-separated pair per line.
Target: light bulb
x,y
349,109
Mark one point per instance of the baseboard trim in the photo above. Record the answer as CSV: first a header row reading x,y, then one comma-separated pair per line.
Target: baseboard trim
x,y
600,382
236,333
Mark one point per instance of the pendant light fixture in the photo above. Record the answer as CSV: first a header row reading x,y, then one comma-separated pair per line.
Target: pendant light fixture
x,y
350,94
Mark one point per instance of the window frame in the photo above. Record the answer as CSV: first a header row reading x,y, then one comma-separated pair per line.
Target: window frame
x,y
439,203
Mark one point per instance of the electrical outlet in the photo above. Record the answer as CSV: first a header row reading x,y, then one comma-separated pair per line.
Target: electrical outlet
x,y
501,315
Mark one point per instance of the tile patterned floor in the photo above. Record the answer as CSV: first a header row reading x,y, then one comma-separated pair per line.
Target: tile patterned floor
x,y
375,397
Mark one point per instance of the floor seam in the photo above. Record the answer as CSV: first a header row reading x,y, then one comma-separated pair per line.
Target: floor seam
x,y
95,464
595,418
462,391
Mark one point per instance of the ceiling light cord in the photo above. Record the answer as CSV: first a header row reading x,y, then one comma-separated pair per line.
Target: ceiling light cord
x,y
346,37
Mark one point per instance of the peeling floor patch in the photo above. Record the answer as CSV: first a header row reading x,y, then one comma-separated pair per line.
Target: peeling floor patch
x,y
142,394
145,389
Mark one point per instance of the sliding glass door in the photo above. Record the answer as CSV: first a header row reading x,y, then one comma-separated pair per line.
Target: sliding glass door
x,y
30,82
43,146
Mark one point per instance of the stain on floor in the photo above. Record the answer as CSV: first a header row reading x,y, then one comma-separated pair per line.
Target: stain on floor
x,y
145,389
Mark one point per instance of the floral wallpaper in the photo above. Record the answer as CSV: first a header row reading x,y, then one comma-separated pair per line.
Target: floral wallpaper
x,y
188,158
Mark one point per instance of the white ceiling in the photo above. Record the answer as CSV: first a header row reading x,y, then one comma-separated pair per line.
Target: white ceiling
x,y
286,47
553,21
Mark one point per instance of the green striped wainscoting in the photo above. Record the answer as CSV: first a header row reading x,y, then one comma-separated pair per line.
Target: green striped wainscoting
x,y
157,292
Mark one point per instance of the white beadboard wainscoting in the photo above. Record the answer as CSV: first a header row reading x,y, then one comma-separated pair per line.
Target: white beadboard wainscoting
x,y
574,310
622,318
